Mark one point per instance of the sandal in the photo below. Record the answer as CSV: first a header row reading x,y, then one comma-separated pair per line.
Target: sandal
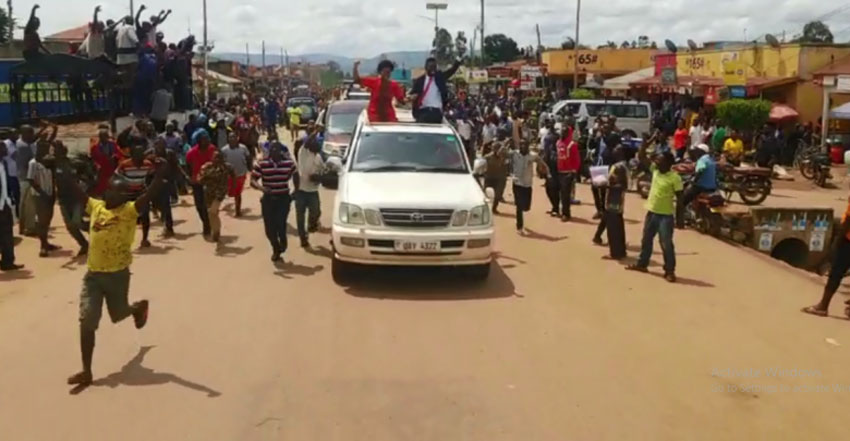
x,y
638,268
813,310
80,378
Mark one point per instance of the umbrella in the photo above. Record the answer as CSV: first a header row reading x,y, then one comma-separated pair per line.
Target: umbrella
x,y
780,112
515,83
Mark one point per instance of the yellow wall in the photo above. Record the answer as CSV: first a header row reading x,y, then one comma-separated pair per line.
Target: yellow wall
x,y
599,61
761,61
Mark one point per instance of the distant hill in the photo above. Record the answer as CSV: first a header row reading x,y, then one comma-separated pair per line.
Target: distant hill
x,y
408,59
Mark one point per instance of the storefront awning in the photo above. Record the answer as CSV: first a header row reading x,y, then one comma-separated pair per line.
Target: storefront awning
x,y
840,112
623,82
691,81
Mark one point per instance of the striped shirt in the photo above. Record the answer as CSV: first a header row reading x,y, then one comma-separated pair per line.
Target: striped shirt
x,y
137,175
275,175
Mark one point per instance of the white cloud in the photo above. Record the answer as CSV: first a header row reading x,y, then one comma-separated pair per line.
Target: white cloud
x,y
366,28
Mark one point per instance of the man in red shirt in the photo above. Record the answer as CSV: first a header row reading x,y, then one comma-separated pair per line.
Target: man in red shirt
x,y
137,171
105,155
383,91
200,154
569,164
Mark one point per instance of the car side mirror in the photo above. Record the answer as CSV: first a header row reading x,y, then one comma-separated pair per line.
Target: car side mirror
x,y
336,163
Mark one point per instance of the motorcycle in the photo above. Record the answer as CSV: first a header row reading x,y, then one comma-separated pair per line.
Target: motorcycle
x,y
821,167
641,178
751,183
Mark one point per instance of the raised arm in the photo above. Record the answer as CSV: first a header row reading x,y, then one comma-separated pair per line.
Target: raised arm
x,y
162,16
642,156
139,15
355,72
96,11
155,187
68,181
32,12
452,70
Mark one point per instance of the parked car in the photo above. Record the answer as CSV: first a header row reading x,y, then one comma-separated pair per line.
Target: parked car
x,y
634,117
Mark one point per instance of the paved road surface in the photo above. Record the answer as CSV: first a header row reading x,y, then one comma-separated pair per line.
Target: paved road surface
x,y
558,344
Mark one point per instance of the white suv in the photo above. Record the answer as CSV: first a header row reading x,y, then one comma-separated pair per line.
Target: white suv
x,y
407,197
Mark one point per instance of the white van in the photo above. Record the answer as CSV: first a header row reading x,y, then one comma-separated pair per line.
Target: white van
x,y
634,116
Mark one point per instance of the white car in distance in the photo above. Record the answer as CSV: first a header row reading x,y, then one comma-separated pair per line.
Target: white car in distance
x,y
407,196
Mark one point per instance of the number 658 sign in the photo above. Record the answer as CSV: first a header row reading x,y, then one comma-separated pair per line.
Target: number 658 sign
x,y
587,58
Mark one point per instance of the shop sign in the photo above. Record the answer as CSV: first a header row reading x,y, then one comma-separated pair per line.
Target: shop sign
x,y
734,73
843,83
668,76
738,92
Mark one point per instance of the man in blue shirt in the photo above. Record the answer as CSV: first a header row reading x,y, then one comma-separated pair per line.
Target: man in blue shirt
x,y
705,174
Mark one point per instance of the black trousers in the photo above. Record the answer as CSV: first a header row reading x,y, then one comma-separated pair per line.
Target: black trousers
x,y
616,234
163,203
522,200
429,115
567,181
201,206
840,265
7,244
275,214
599,194
553,192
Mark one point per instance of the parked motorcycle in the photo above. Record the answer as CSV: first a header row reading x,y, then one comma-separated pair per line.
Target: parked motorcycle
x,y
821,167
751,183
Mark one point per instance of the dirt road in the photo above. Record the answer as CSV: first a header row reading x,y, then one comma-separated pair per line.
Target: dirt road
x,y
559,344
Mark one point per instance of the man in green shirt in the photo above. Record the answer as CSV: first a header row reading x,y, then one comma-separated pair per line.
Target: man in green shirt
x,y
718,138
665,199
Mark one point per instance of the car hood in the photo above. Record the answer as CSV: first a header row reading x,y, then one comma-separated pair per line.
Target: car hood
x,y
411,190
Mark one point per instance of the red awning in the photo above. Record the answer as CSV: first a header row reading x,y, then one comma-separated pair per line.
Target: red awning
x,y
781,112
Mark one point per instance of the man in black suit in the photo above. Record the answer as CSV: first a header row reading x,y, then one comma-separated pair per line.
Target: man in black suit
x,y
432,92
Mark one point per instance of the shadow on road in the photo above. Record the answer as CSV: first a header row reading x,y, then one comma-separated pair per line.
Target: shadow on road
x,y
430,283
24,274
540,236
134,374
320,251
288,269
156,250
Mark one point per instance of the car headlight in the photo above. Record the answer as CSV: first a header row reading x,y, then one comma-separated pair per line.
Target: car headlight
x,y
351,214
460,218
373,217
479,216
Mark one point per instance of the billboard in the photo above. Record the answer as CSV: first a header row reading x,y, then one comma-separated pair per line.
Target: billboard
x,y
528,76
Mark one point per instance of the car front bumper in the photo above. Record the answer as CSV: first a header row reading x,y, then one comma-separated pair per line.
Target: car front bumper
x,y
457,247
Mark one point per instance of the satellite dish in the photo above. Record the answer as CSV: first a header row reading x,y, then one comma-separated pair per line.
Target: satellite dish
x,y
772,41
692,45
671,46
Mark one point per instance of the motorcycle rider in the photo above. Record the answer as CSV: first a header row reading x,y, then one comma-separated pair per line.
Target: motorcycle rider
x,y
705,174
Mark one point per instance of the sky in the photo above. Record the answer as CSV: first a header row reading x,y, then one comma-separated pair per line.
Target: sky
x,y
366,28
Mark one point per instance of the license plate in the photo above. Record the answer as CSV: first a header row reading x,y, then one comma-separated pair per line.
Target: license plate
x,y
407,246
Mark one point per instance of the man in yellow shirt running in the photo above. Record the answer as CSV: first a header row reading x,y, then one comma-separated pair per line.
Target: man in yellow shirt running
x,y
295,113
113,230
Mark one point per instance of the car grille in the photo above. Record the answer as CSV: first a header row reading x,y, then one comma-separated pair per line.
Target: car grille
x,y
416,218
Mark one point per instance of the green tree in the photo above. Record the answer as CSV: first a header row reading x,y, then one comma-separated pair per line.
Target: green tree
x,y
815,32
581,94
443,47
500,48
744,115
6,26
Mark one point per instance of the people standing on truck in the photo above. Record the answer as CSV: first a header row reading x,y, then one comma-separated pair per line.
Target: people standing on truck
x,y
128,44
383,90
271,176
432,92
615,199
838,268
523,163
665,200
569,164
113,228
33,46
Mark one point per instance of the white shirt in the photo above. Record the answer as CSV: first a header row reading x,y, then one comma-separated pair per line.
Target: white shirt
x,y
127,39
696,136
488,133
11,164
41,175
309,163
432,96
5,200
464,129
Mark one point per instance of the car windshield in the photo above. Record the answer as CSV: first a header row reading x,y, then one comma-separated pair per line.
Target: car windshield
x,y
342,123
418,152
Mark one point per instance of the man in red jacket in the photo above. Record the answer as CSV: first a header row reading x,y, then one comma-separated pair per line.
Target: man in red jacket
x,y
569,164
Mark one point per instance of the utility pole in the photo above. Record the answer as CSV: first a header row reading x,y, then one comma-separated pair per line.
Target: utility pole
x,y
247,57
264,59
575,49
206,58
482,34
539,45
281,58
132,9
